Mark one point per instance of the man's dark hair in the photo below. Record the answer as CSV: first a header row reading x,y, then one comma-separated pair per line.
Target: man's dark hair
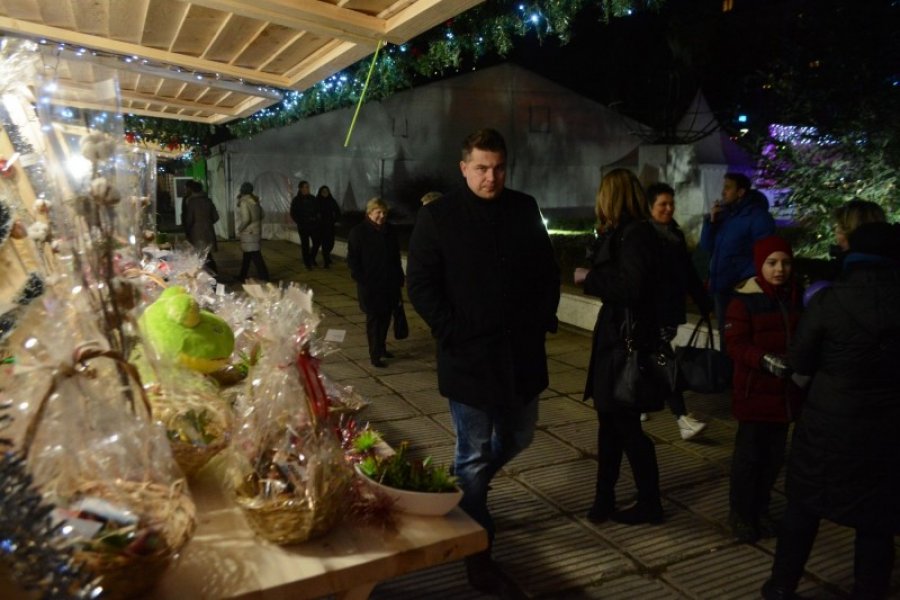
x,y
741,180
193,186
655,189
488,140
302,183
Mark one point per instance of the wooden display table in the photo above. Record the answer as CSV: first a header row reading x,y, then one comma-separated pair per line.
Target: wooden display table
x,y
226,560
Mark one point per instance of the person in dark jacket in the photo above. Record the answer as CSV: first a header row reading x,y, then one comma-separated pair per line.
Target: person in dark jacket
x,y
483,276
845,454
373,256
624,274
198,215
679,278
759,324
305,213
733,224
329,215
847,217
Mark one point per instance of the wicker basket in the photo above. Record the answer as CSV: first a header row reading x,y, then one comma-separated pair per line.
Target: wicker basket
x,y
289,519
170,508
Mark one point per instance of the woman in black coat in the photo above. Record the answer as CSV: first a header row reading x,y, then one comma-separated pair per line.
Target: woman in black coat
x,y
845,456
623,275
679,278
373,256
329,215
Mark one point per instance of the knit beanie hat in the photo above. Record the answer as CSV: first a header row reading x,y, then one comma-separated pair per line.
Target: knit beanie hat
x,y
765,247
246,188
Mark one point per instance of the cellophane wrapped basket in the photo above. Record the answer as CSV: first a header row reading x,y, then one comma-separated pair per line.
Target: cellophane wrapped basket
x,y
287,469
97,456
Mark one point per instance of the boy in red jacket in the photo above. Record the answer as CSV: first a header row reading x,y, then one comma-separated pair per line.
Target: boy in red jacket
x,y
758,327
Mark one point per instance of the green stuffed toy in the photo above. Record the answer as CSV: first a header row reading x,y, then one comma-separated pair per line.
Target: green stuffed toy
x,y
176,327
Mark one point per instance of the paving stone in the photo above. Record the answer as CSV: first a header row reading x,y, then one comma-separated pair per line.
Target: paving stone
x,y
342,370
708,499
368,387
410,382
578,358
427,401
447,582
570,485
513,505
440,455
557,555
682,535
628,586
678,469
389,407
420,432
544,450
582,435
556,366
710,405
568,382
562,409
446,421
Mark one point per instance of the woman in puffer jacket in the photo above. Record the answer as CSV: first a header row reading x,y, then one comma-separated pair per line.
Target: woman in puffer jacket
x,y
249,228
845,454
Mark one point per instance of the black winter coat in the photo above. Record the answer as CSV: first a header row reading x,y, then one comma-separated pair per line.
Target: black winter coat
x,y
624,274
484,277
679,278
305,212
845,457
373,256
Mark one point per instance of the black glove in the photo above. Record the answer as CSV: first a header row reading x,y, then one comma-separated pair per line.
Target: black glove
x,y
776,365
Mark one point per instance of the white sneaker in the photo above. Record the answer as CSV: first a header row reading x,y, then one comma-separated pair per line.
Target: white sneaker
x,y
689,426
644,417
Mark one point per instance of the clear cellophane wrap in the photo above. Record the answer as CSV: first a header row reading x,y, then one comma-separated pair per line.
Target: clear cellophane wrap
x,y
96,454
287,468
189,405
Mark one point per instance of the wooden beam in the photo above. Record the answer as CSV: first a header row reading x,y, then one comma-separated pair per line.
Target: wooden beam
x,y
422,15
325,62
136,66
141,97
307,15
35,30
133,111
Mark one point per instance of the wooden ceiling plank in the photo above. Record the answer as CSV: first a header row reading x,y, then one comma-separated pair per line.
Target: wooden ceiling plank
x,y
326,62
127,20
161,24
237,36
422,16
198,30
287,43
217,35
127,49
22,9
134,96
92,16
307,15
57,13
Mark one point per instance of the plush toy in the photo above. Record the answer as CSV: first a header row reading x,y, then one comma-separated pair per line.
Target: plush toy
x,y
176,327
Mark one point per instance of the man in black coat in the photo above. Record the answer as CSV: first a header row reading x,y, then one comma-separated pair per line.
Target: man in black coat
x,y
305,213
482,273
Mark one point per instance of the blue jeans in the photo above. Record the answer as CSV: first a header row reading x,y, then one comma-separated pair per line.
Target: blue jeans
x,y
487,439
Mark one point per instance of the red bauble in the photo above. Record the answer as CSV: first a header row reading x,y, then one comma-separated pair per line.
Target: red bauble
x,y
7,171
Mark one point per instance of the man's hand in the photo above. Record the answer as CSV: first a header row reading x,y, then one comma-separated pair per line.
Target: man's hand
x,y
776,365
580,275
715,210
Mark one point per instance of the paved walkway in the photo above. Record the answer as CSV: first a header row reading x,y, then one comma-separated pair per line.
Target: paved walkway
x,y
539,502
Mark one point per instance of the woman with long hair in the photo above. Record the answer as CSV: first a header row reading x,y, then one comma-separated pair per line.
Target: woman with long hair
x,y
624,275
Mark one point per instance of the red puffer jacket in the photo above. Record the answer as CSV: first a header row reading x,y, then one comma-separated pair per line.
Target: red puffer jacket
x,y
756,324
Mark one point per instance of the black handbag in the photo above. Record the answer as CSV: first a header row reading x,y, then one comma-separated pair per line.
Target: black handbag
x,y
703,369
401,325
646,374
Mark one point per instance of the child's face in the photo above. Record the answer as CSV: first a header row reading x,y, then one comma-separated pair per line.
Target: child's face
x,y
777,268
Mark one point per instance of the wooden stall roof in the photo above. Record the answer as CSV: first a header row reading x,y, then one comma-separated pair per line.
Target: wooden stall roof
x,y
211,61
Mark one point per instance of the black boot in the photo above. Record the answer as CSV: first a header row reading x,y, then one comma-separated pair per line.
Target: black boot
x,y
641,512
771,591
488,577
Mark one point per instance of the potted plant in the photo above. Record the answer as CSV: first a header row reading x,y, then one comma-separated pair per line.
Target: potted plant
x,y
417,486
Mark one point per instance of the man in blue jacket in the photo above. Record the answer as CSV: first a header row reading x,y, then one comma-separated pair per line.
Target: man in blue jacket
x,y
482,273
734,223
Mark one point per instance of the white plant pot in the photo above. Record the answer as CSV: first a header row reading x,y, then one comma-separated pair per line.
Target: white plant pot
x,y
434,504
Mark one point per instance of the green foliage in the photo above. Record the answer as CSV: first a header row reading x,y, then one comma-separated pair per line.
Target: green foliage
x,y
401,472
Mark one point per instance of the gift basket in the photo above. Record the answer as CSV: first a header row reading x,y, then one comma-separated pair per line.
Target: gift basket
x,y
287,469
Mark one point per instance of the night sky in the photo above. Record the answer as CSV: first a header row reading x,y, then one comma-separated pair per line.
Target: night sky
x,y
650,65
